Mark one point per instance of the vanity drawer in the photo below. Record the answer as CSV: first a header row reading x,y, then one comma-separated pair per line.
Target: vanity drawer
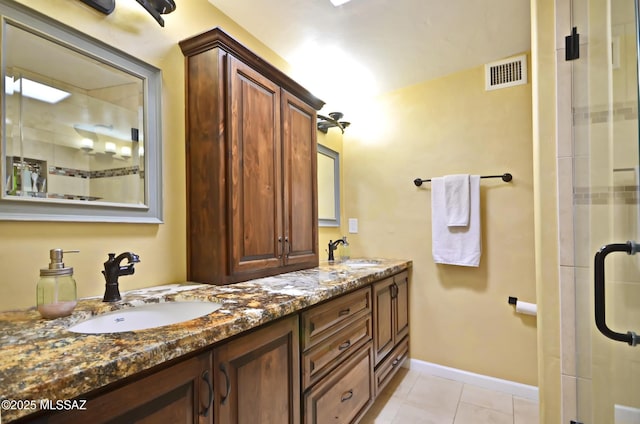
x,y
321,321
388,368
321,358
345,394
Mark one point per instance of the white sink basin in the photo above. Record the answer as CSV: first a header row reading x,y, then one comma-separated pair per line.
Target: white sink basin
x,y
361,264
145,316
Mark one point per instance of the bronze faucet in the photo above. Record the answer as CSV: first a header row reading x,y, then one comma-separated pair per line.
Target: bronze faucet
x,y
333,245
113,269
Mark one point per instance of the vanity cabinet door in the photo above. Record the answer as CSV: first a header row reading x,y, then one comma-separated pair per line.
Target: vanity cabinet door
x,y
258,376
181,393
390,314
383,320
401,304
390,327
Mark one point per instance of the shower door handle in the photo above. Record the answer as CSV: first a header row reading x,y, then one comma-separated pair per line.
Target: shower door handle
x,y
631,248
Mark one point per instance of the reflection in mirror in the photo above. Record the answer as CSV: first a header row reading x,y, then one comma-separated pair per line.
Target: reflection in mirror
x,y
78,126
69,136
328,187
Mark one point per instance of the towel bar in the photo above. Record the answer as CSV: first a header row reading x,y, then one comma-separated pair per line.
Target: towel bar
x,y
506,177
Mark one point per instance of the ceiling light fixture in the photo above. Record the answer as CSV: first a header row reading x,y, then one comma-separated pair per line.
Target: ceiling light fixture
x,y
337,3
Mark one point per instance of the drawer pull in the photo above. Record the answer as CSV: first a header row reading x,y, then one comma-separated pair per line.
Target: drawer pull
x,y
344,312
207,379
346,396
345,345
228,384
397,360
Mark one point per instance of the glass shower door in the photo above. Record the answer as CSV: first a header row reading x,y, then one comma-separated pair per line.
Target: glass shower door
x,y
606,211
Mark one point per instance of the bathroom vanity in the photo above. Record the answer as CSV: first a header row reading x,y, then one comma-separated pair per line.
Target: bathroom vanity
x,y
288,348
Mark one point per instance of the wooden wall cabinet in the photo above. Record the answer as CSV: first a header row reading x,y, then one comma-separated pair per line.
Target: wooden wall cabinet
x,y
251,165
258,376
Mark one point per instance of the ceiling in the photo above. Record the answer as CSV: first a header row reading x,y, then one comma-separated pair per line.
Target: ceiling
x,y
375,46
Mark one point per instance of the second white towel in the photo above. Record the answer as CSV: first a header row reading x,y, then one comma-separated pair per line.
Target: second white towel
x,y
455,245
456,199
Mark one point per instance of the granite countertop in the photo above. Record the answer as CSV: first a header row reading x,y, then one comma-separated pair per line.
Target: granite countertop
x,y
41,359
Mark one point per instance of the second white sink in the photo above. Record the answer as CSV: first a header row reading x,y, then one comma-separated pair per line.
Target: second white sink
x,y
361,263
145,316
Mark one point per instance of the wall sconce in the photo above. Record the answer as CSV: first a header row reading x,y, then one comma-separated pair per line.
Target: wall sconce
x,y
110,148
154,7
333,120
86,144
125,151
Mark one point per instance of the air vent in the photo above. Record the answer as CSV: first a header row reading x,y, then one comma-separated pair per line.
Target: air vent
x,y
506,73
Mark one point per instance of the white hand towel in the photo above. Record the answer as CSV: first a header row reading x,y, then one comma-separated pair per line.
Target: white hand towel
x,y
455,245
456,197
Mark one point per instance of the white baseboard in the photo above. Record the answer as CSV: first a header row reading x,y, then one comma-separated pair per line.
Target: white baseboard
x,y
626,415
516,389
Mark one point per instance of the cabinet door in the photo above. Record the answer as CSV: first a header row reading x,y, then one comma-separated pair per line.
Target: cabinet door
x,y
300,181
255,174
401,305
181,393
383,332
258,376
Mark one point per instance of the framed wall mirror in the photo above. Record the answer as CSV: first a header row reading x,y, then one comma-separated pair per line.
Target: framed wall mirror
x,y
328,187
81,137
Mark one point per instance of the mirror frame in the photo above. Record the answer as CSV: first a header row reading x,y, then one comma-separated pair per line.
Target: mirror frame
x,y
332,154
82,211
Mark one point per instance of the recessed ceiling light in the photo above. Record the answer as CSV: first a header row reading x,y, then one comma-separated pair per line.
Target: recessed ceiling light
x,y
337,3
34,90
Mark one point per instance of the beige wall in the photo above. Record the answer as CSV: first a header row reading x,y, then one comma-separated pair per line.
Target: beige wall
x,y
333,140
24,246
460,316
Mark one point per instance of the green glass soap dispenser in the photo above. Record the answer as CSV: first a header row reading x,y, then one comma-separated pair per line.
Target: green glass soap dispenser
x,y
56,289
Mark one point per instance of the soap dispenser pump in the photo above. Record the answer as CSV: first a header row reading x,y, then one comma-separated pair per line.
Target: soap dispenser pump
x,y
56,289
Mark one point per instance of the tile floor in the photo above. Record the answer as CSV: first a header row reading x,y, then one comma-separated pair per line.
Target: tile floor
x,y
413,397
